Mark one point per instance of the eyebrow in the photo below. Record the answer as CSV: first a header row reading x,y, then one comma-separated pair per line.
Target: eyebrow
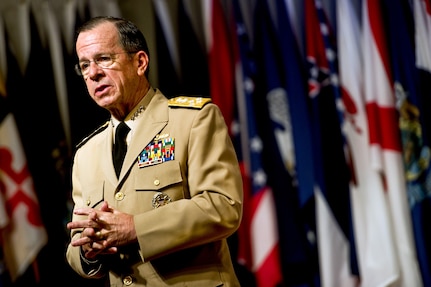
x,y
95,56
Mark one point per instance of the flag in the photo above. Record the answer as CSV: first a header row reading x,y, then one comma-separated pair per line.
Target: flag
x,y
193,52
84,114
181,53
405,80
47,158
24,235
337,257
385,157
53,46
369,204
259,225
422,45
4,218
419,167
168,61
294,78
221,59
298,246
422,18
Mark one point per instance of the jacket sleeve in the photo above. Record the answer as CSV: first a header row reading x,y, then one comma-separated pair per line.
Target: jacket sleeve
x,y
213,180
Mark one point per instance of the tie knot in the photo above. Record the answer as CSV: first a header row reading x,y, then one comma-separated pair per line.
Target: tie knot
x,y
121,132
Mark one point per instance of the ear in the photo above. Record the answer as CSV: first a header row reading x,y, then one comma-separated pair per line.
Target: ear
x,y
143,62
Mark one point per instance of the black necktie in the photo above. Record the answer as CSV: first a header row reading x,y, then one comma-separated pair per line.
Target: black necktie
x,y
120,146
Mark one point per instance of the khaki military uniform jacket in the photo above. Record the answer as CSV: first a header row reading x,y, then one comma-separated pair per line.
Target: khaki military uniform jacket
x,y
184,205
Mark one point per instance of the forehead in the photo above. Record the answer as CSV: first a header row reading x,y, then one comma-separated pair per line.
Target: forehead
x,y
102,38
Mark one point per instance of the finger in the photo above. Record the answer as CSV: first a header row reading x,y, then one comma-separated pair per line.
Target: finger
x,y
97,246
77,224
93,216
70,225
83,211
82,224
105,207
92,251
88,235
81,241
90,254
97,218
110,250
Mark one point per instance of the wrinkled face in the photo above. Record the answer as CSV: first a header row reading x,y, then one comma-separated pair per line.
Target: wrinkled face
x,y
113,77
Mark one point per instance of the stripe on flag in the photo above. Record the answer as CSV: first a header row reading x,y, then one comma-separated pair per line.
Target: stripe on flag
x,y
337,257
259,216
385,150
372,227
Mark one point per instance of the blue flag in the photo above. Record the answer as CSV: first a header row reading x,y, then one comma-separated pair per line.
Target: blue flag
x,y
279,86
332,174
413,116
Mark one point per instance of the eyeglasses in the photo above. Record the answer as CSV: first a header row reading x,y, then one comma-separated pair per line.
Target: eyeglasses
x,y
104,61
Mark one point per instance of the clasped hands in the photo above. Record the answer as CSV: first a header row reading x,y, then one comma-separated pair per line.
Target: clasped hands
x,y
104,230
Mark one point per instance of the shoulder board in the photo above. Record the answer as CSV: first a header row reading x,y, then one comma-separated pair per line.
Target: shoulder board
x,y
98,130
188,102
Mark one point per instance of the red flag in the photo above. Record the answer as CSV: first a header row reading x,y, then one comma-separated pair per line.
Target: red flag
x,y
221,59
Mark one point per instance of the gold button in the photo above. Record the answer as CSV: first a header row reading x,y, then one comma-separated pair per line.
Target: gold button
x,y
119,196
128,280
156,182
88,202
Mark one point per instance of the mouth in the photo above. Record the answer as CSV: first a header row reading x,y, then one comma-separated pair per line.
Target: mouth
x,y
100,90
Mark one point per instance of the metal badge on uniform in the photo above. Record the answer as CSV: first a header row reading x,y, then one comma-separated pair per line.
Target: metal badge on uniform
x,y
160,199
161,149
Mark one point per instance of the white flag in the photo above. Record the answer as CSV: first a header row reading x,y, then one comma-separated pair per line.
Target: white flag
x,y
24,235
383,216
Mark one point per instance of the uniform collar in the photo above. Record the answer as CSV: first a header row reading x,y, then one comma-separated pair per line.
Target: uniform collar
x,y
137,111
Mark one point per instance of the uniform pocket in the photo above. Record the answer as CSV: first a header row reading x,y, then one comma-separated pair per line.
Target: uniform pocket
x,y
158,177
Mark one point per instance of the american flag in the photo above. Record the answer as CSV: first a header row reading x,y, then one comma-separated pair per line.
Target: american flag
x,y
260,222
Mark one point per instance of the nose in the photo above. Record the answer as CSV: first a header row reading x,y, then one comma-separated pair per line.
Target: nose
x,y
94,70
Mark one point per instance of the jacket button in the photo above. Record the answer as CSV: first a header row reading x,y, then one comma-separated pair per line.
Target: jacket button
x,y
128,280
156,182
119,196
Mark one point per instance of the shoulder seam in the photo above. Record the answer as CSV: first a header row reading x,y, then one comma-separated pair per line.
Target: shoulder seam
x,y
95,132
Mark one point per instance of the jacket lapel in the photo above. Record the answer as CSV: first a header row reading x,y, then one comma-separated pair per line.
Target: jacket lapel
x,y
106,162
152,121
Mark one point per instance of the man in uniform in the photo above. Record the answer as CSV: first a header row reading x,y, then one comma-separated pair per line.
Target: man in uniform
x,y
160,216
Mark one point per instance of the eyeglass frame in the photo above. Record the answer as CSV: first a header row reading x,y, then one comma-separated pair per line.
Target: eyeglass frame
x,y
96,60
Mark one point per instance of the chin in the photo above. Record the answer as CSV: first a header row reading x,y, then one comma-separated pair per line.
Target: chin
x,y
104,102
